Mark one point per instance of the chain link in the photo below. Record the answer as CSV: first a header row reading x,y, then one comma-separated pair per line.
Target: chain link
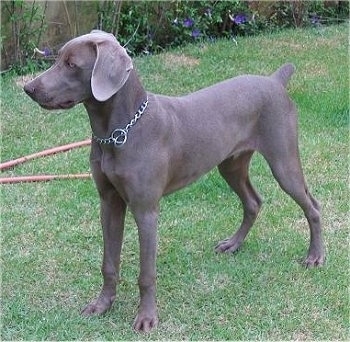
x,y
120,135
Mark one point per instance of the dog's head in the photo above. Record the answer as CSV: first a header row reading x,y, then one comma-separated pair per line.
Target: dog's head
x,y
92,65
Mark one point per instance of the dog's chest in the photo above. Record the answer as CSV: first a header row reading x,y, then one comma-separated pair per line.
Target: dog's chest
x,y
124,171
113,167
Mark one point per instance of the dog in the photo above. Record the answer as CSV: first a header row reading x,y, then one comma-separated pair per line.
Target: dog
x,y
145,146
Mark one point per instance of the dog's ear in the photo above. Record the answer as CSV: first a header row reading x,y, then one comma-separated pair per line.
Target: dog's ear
x,y
111,70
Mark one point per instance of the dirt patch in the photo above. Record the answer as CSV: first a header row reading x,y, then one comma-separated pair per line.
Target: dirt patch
x,y
289,45
318,70
332,43
173,60
295,46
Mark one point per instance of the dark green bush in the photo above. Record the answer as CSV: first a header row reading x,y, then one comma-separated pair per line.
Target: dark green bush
x,y
150,26
147,27
27,25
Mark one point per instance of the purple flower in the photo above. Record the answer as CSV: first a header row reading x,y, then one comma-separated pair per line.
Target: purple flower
x,y
150,35
188,22
196,33
47,52
315,19
208,12
239,19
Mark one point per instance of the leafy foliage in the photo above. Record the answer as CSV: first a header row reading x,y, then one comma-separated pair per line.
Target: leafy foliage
x,y
148,27
27,25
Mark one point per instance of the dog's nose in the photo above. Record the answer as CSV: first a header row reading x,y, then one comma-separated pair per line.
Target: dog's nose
x,y
29,89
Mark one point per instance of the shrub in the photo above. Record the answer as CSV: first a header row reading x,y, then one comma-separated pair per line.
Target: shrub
x,y
147,27
27,25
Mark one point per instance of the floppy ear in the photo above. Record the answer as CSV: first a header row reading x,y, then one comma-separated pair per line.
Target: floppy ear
x,y
111,70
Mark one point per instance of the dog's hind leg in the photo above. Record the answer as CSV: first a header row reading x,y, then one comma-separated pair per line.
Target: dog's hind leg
x,y
286,167
235,172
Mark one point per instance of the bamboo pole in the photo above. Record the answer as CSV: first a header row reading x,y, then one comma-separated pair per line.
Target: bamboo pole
x,y
42,178
15,162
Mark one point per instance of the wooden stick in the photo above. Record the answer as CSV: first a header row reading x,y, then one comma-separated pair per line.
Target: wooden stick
x,y
42,178
12,163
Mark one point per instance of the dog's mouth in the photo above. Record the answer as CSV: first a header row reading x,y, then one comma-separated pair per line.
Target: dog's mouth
x,y
64,105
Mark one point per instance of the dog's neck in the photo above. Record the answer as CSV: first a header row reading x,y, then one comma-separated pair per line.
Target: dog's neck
x,y
117,111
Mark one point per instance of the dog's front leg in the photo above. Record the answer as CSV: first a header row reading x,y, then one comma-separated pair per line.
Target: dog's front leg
x,y
113,210
147,317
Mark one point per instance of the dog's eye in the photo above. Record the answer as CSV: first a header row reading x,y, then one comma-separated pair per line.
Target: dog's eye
x,y
70,64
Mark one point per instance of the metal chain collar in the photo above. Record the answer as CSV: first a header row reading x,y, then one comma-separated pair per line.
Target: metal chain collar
x,y
120,135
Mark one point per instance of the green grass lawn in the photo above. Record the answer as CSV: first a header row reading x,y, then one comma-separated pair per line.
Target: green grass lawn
x,y
51,237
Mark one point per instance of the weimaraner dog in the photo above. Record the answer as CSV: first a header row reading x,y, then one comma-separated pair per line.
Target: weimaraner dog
x,y
145,146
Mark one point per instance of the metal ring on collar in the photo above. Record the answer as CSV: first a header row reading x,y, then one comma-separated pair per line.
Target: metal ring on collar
x,y
119,137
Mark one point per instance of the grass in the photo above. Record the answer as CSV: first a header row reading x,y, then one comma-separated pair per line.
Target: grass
x,y
51,237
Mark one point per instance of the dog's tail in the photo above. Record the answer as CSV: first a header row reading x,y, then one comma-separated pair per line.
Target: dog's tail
x,y
284,73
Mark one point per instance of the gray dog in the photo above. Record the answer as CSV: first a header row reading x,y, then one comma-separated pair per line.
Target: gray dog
x,y
145,146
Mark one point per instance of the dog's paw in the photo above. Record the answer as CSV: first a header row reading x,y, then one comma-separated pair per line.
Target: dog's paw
x,y
98,306
145,321
227,246
314,260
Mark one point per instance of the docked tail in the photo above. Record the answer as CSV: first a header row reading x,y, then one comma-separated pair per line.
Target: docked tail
x,y
284,73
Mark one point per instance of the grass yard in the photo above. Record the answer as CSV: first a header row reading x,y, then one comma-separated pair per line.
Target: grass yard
x,y
51,237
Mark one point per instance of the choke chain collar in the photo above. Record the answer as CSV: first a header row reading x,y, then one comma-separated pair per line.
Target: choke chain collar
x,y
120,135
